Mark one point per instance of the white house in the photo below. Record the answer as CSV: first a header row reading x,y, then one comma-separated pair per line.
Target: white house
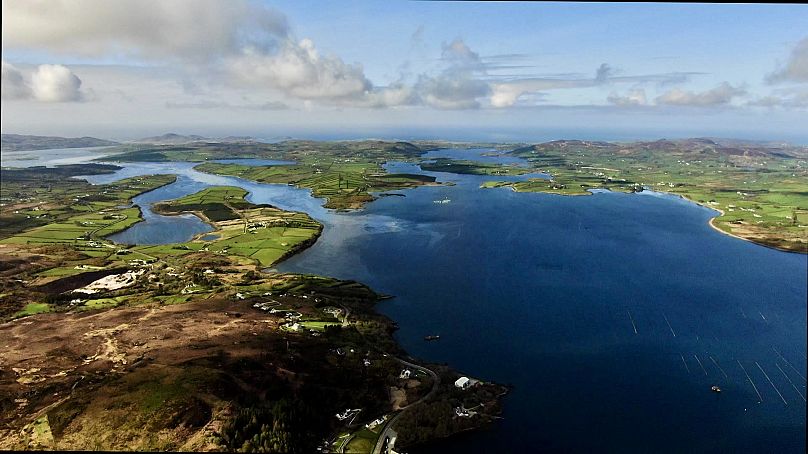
x,y
463,382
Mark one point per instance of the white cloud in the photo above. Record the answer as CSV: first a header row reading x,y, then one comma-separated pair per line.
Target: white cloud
x,y
397,94
55,83
796,98
49,83
634,97
451,91
457,85
460,56
720,95
247,42
796,69
13,84
506,94
509,93
216,48
148,29
299,70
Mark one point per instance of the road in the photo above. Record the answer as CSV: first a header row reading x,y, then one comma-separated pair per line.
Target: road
x,y
387,431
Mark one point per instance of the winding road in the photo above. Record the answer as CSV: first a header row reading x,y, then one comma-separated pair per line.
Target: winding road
x,y
386,432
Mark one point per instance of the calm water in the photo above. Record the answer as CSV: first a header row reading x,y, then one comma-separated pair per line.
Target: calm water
x,y
540,291
50,158
611,314
159,229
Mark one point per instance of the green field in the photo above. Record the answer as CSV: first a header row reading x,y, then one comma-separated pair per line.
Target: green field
x,y
344,185
762,193
344,173
259,232
33,308
47,207
472,167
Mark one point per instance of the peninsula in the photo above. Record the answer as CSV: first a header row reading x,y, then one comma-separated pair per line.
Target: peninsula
x,y
194,340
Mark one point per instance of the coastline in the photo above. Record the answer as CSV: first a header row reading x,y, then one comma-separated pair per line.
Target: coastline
x,y
717,229
710,222
437,392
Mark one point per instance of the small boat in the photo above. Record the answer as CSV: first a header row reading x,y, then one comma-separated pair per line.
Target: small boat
x,y
431,337
715,389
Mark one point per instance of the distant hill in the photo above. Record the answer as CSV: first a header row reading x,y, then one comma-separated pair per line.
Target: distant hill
x,y
18,142
685,148
179,139
171,139
727,142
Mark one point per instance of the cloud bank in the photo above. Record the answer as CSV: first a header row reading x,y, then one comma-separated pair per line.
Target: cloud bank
x,y
193,30
218,47
720,95
634,97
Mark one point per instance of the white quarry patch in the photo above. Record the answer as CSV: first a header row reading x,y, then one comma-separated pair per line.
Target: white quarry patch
x,y
112,282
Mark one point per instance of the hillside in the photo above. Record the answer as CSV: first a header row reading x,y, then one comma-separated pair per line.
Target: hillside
x,y
19,142
180,139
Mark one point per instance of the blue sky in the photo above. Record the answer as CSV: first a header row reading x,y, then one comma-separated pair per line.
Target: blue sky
x,y
498,70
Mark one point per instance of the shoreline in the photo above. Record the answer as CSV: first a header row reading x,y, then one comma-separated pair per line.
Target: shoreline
x,y
710,222
412,362
300,247
717,229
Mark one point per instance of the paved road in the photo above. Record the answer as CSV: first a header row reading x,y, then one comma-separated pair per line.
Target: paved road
x,y
386,432
435,381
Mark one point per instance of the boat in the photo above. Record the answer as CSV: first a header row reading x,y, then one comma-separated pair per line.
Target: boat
x,y
431,337
715,389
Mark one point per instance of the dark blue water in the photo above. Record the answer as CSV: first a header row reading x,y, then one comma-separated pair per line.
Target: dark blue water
x,y
540,291
611,314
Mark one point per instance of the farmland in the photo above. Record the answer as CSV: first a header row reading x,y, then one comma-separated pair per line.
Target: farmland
x,y
48,207
761,192
259,232
192,340
472,167
344,185
210,349
344,173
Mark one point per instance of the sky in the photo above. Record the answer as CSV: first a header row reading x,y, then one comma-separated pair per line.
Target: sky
x,y
124,69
